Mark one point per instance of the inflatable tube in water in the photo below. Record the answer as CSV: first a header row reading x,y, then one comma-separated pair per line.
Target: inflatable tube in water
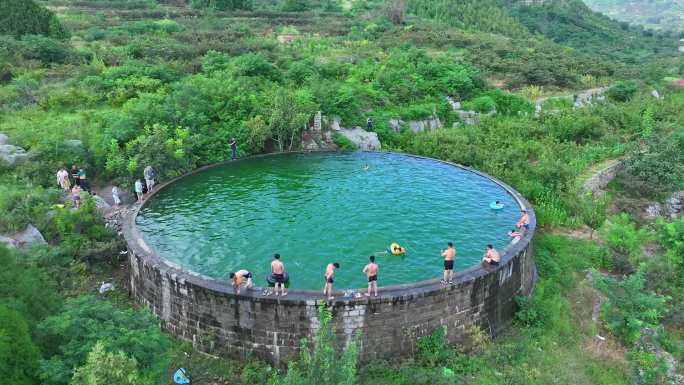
x,y
494,206
271,280
395,245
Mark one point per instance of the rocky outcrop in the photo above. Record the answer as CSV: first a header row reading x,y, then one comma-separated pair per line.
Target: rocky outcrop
x,y
597,181
672,208
11,154
29,236
364,140
416,126
649,343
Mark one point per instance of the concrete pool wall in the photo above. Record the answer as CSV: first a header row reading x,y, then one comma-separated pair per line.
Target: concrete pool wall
x,y
206,311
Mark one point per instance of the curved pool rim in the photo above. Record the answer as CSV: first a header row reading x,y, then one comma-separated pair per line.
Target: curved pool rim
x,y
137,244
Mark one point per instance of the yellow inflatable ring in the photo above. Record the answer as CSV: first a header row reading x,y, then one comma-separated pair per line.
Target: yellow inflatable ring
x,y
395,246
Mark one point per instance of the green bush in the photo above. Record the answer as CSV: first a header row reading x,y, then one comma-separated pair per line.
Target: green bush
x,y
657,167
623,91
222,5
323,364
629,308
624,241
18,354
481,104
25,17
68,337
433,349
343,143
103,367
82,232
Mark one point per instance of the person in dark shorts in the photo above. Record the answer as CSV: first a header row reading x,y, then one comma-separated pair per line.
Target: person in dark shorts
x,y
492,256
278,272
233,149
330,279
240,277
371,271
449,255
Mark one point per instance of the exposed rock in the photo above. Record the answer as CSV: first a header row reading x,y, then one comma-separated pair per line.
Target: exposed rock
x,y
425,125
101,203
363,139
599,180
12,154
73,143
649,343
455,104
335,125
29,236
674,205
468,117
3,139
653,211
9,242
655,94
395,125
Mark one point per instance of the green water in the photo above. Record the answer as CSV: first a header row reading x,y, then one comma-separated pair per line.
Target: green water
x,y
319,208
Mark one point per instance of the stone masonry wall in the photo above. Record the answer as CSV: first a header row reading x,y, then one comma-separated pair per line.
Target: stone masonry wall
x,y
207,312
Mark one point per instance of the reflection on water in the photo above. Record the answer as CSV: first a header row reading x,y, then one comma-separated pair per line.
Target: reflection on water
x,y
315,209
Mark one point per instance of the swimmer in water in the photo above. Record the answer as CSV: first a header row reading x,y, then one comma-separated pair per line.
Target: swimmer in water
x,y
366,167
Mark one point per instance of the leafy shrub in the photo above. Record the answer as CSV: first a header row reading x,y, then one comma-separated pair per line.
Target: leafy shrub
x,y
82,232
323,364
658,166
623,91
103,367
26,289
624,242
433,349
18,354
25,17
44,49
21,206
68,337
482,104
629,307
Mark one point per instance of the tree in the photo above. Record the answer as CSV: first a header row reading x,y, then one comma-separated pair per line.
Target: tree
x,y
18,354
592,211
25,17
288,112
395,10
103,367
68,337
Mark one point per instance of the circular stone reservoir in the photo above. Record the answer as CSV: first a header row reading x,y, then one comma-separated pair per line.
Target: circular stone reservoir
x,y
314,209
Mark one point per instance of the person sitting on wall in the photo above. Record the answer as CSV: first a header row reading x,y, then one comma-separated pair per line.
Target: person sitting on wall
x,y
492,257
239,277
524,220
514,235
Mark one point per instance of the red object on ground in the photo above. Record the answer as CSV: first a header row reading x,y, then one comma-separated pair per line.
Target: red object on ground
x,y
679,82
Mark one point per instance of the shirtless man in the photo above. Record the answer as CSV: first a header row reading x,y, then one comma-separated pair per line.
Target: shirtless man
x,y
371,271
278,271
492,256
524,220
449,255
239,278
514,235
329,279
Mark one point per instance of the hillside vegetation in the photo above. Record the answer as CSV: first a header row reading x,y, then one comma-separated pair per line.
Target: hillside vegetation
x,y
655,14
168,83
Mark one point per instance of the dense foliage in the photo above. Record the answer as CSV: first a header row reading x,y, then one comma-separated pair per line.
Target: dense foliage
x,y
169,83
25,17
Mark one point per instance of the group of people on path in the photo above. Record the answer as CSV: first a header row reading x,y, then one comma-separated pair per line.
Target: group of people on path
x,y
76,183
